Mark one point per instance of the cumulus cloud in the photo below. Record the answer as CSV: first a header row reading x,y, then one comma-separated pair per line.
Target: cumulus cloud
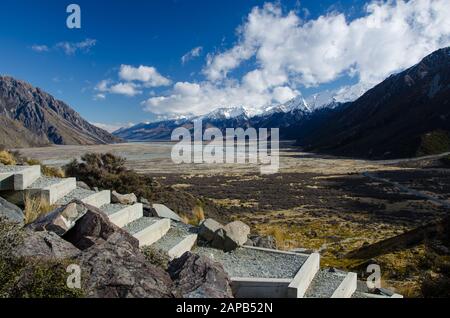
x,y
195,52
106,86
286,53
146,74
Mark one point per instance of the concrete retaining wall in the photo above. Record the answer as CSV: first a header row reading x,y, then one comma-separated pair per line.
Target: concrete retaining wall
x,y
99,198
347,287
259,287
182,247
297,288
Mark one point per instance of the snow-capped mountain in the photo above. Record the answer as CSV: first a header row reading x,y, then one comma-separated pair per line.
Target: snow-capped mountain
x,y
225,113
296,104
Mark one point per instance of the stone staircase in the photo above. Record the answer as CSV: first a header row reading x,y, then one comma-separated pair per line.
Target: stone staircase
x,y
254,272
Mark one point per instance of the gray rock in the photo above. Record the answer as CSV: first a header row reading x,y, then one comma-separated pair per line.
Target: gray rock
x,y
236,234
208,228
83,185
144,201
44,245
127,199
60,220
117,269
164,212
197,276
263,241
11,212
95,189
95,228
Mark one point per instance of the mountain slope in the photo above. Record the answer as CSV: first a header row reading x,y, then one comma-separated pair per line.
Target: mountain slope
x,y
14,135
406,115
49,120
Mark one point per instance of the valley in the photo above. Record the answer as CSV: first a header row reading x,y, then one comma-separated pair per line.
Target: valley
x,y
333,205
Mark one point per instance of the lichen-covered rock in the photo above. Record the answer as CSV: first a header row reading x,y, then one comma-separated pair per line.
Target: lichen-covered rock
x,y
208,229
94,228
127,199
11,212
117,269
60,220
83,185
44,246
199,277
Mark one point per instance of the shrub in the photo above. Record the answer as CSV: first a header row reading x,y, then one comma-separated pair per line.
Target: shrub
x,y
7,158
156,257
47,171
30,277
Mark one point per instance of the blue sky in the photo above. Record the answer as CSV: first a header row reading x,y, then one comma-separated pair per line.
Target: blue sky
x,y
231,61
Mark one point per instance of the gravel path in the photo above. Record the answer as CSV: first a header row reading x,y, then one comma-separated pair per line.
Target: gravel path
x,y
244,262
139,225
178,231
324,284
44,182
78,193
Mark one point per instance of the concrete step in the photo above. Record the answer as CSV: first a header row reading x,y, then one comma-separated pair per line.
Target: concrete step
x,y
178,240
46,188
332,284
302,280
148,230
121,215
359,294
18,177
96,199
260,272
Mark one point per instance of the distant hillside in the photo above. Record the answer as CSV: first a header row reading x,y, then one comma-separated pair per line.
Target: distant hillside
x,y
31,117
406,115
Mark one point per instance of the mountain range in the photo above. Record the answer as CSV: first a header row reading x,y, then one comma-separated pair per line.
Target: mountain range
x,y
31,117
405,115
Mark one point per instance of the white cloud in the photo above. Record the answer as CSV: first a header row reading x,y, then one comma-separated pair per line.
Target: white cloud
x,y
146,74
40,48
195,52
106,86
288,52
70,48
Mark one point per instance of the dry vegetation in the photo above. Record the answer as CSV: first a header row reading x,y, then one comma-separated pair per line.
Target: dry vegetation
x,y
35,207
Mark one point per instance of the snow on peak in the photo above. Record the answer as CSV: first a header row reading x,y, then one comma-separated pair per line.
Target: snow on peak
x,y
226,113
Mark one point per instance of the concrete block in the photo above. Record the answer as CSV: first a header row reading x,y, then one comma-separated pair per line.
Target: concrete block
x,y
20,179
127,215
244,287
184,246
164,212
153,233
304,276
98,199
347,287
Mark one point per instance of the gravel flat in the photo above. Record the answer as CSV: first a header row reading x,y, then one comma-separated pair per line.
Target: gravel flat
x,y
244,262
6,169
44,182
139,225
78,193
178,231
324,284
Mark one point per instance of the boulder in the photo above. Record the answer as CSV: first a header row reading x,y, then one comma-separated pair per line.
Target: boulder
x,y
94,228
44,246
60,220
117,269
236,234
263,241
164,212
208,228
83,185
127,199
144,201
197,276
11,212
